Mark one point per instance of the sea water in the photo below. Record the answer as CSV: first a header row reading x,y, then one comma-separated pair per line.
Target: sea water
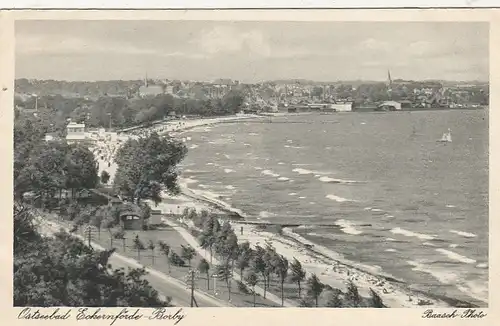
x,y
393,196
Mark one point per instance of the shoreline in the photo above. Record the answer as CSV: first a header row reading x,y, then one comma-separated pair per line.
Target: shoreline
x,y
294,245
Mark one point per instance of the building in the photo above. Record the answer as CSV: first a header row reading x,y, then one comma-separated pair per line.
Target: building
x,y
75,133
150,90
389,106
131,217
156,217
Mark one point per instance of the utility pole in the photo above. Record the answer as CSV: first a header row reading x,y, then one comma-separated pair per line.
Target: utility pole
x,y
190,279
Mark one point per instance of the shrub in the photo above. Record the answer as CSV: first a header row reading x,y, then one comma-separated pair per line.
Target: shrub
x,y
176,260
242,287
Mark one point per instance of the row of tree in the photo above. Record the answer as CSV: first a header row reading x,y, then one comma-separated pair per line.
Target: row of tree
x,y
263,264
122,112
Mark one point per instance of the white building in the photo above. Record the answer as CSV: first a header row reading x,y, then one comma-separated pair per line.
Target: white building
x,y
75,132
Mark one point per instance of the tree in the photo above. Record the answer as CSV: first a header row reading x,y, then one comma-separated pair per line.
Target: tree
x,y
298,274
187,253
207,239
120,235
151,246
97,219
334,299
315,287
165,248
147,166
376,300
204,267
80,169
105,176
224,273
282,271
352,294
244,256
252,280
138,245
258,265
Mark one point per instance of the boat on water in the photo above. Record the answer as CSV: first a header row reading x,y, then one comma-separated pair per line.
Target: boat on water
x,y
446,138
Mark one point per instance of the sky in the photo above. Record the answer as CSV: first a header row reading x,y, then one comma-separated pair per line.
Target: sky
x,y
251,51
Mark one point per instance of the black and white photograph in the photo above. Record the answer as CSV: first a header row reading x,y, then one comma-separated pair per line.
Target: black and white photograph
x,y
218,163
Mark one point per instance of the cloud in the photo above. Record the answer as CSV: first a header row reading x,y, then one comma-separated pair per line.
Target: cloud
x,y
224,39
40,44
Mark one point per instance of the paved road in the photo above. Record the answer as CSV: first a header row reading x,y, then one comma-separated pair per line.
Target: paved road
x,y
163,283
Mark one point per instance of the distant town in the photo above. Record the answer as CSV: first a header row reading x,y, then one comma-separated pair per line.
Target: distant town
x,y
118,105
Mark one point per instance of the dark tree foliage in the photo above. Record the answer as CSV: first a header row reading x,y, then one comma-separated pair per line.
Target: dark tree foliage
x,y
147,166
62,271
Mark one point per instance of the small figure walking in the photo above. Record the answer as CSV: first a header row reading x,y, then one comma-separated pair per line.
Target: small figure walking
x,y
241,230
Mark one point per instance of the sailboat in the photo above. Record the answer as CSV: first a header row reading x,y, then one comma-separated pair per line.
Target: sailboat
x,y
446,138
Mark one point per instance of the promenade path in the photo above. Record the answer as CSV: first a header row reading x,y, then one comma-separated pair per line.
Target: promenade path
x,y
163,283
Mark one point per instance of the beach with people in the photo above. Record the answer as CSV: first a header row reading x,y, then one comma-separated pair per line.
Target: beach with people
x,y
332,267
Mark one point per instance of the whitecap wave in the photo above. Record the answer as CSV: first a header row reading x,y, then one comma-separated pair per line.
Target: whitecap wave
x,y
390,250
228,170
412,234
450,206
443,276
464,234
270,173
266,214
454,256
253,134
302,197
295,147
482,265
453,245
390,239
230,187
292,194
193,146
283,179
312,203
338,199
334,180
428,244
280,163
348,227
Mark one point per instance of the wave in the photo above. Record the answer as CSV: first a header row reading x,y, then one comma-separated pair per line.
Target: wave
x,y
454,256
270,173
464,234
334,180
266,214
338,199
412,234
227,156
391,250
189,180
253,134
301,164
302,197
296,147
428,244
230,187
348,227
247,145
228,170
450,206
443,276
453,245
257,168
292,194
482,265
280,163
312,203
284,179
193,146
